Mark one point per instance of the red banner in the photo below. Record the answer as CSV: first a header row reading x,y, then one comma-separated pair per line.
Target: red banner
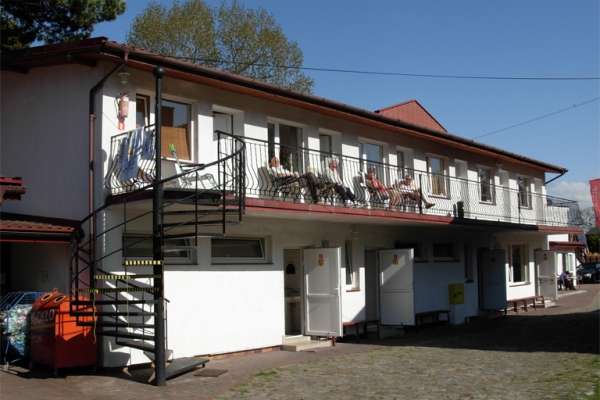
x,y
595,191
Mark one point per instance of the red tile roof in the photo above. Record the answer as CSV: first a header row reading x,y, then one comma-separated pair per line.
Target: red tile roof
x,y
413,112
29,226
21,227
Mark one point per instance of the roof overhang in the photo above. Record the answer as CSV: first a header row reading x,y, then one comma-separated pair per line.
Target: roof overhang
x,y
566,246
21,228
91,50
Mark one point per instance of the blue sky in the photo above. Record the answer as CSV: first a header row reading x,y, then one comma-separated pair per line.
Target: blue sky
x,y
520,38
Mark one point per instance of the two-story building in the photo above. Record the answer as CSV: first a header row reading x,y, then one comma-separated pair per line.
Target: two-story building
x,y
283,214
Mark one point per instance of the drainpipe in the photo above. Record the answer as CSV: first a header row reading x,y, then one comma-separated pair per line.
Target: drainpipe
x,y
92,133
91,178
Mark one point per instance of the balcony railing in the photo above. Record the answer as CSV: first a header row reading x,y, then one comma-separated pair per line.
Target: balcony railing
x,y
305,176
429,194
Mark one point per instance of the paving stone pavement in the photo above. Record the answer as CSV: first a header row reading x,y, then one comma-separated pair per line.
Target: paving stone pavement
x,y
540,354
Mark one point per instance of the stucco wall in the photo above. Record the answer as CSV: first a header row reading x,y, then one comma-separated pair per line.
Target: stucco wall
x,y
44,138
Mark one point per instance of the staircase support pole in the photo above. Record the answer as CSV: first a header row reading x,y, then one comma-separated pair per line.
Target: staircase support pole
x,y
157,240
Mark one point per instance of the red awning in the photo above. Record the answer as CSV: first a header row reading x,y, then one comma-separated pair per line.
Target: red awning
x,y
566,246
20,228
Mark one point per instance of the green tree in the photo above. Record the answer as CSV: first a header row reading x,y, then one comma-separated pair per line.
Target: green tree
x,y
26,21
231,37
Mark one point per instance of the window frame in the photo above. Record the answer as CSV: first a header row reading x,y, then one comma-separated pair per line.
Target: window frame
x,y
445,177
351,271
524,251
528,204
274,143
264,245
365,163
146,100
190,137
492,186
190,259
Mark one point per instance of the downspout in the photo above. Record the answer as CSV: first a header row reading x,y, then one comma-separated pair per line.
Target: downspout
x,y
91,178
92,133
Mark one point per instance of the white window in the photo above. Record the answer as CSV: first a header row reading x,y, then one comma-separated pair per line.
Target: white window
x,y
352,278
524,186
287,150
372,159
142,110
518,263
486,185
444,252
437,168
404,164
325,147
223,122
176,251
175,130
238,250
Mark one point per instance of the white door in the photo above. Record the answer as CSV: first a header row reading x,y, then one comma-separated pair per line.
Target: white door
x,y
493,275
545,262
396,293
322,292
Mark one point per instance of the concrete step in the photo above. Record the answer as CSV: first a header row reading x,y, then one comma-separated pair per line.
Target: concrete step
x,y
296,339
304,345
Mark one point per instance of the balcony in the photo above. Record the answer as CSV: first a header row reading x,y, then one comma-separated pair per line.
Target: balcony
x,y
305,176
427,194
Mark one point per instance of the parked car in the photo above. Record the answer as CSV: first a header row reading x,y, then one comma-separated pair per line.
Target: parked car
x,y
589,273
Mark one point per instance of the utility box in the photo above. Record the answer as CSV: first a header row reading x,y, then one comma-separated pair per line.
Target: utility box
x,y
57,341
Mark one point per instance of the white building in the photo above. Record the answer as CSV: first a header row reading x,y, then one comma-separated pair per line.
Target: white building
x,y
290,266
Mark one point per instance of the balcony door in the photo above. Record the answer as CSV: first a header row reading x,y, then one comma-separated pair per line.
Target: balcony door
x,y
287,149
372,159
175,130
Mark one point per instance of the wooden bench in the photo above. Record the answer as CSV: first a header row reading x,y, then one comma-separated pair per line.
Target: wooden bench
x,y
432,317
524,301
357,326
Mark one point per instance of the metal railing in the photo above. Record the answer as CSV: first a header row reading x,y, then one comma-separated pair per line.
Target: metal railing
x,y
304,176
429,193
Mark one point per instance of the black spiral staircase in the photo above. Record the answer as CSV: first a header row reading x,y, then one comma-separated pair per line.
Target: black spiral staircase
x,y
121,294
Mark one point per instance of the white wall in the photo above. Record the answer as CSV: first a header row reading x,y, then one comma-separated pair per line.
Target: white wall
x,y
250,120
44,138
517,290
226,308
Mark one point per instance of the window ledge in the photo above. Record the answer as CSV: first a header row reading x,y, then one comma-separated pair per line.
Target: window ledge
x,y
439,196
350,290
517,284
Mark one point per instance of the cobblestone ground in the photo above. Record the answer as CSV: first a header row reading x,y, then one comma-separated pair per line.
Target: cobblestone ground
x,y
548,354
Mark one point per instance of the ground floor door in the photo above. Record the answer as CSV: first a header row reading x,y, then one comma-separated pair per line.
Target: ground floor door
x,y
293,278
545,262
396,287
322,285
492,271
